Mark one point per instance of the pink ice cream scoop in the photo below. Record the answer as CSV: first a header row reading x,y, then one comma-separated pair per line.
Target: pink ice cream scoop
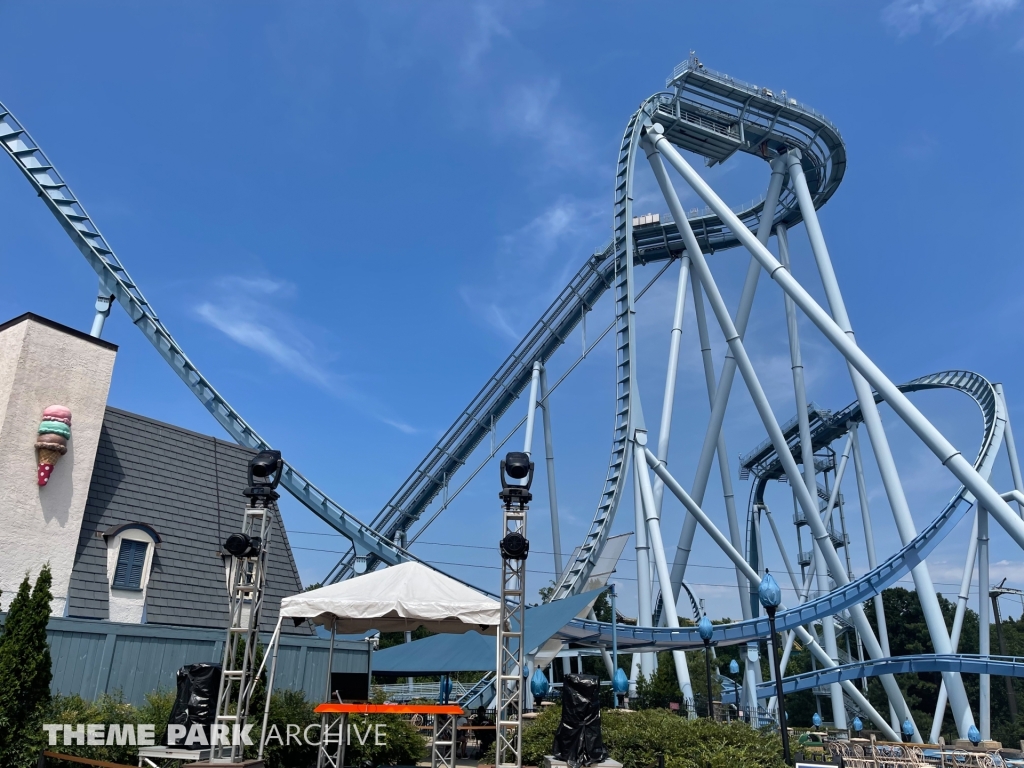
x,y
52,439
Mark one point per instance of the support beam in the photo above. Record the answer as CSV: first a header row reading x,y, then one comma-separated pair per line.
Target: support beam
x,y
869,545
531,413
733,554
984,626
947,454
658,552
644,587
1011,450
828,628
880,444
668,399
958,624
549,457
656,144
724,388
104,301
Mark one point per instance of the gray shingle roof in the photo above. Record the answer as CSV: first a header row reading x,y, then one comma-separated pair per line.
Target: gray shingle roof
x,y
187,486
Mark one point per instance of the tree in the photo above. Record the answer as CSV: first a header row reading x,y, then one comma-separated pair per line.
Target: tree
x,y
25,673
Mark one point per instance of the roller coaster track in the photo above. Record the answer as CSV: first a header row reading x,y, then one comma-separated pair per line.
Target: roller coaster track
x,y
965,663
704,111
709,113
114,278
858,590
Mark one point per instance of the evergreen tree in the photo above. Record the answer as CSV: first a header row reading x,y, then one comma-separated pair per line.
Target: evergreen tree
x,y
25,673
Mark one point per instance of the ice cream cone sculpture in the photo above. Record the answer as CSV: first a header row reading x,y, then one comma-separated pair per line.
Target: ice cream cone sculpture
x,y
52,439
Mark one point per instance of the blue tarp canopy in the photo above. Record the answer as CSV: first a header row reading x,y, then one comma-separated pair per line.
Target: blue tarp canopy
x,y
473,652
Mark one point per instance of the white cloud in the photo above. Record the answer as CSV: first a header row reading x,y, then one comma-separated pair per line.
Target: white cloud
x,y
542,253
260,338
275,336
486,27
536,110
907,17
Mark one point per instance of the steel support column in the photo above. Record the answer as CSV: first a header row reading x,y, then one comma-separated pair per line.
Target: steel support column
x,y
733,554
645,589
1011,449
828,628
549,457
658,551
984,626
658,145
724,388
880,444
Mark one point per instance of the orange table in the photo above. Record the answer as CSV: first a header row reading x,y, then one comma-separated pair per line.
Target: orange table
x,y
442,747
389,709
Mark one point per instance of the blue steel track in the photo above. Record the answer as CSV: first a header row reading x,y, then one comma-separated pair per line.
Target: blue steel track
x,y
858,590
702,111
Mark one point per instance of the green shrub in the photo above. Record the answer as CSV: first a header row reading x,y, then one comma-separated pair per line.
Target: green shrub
x,y
636,739
286,707
107,709
25,673
402,743
157,711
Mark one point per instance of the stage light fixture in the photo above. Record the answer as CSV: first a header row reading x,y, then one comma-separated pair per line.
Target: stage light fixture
x,y
264,475
515,546
240,545
516,466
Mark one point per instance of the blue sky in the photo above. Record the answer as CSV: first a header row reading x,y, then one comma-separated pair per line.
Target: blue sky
x,y
348,213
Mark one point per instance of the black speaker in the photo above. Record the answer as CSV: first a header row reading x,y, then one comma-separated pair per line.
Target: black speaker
x,y
350,686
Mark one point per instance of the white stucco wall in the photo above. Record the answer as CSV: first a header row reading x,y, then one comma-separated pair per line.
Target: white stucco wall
x,y
40,366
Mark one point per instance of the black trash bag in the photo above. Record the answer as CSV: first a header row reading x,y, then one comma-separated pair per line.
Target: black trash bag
x,y
196,702
578,738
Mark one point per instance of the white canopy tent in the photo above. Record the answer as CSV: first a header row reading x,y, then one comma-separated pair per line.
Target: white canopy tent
x,y
400,598
397,599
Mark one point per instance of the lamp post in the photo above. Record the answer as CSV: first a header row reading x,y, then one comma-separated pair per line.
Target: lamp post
x,y
620,683
771,596
706,632
734,669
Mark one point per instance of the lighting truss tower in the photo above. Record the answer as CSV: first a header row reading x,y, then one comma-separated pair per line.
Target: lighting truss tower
x,y
247,580
514,550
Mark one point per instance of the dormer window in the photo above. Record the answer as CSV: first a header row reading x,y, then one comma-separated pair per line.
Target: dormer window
x,y
131,548
131,561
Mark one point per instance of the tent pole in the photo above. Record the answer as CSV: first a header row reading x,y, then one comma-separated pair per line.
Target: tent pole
x,y
275,641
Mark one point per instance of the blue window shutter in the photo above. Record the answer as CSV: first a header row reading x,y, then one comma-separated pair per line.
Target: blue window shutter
x,y
135,571
130,560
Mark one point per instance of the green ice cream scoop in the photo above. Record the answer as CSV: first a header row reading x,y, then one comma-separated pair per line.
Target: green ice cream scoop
x,y
55,428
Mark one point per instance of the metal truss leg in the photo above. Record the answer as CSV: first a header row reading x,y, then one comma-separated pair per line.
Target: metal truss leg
x,y
643,571
883,455
807,459
733,554
721,395
1011,449
984,626
747,372
660,562
549,457
331,752
958,624
442,747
